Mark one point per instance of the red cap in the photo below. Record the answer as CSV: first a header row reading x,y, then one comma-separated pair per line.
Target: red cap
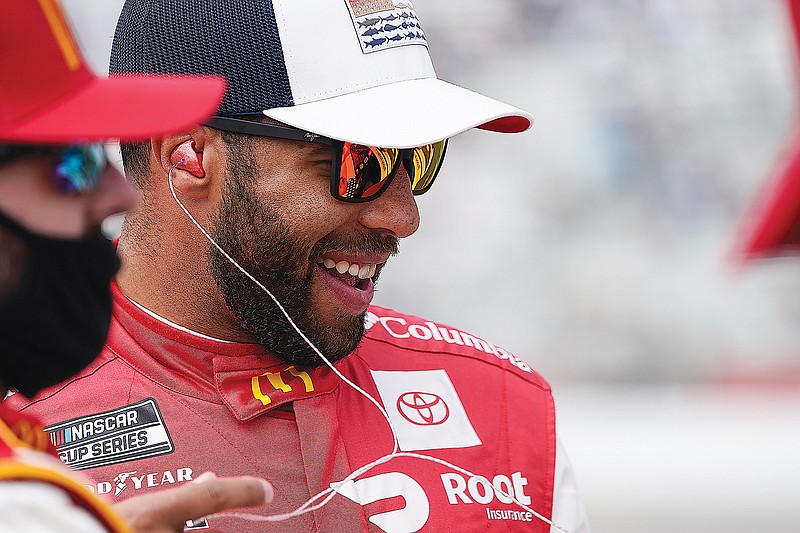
x,y
773,227
48,94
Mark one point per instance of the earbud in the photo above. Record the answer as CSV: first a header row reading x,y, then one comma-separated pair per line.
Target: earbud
x,y
191,157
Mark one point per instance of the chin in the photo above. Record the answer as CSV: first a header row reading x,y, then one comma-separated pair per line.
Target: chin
x,y
336,338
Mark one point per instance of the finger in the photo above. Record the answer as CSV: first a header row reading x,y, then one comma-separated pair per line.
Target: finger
x,y
206,495
210,494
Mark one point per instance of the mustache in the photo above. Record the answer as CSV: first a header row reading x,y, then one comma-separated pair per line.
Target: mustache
x,y
364,243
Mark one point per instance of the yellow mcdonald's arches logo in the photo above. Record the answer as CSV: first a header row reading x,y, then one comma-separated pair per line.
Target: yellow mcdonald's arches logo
x,y
275,379
60,28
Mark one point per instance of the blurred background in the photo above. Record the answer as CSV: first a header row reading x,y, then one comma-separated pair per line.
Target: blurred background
x,y
599,246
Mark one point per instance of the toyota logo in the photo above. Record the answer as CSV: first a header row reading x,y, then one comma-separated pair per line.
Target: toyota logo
x,y
423,408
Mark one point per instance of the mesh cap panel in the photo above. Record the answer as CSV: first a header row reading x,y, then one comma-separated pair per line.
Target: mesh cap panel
x,y
237,39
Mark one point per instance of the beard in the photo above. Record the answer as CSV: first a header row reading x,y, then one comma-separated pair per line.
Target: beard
x,y
255,235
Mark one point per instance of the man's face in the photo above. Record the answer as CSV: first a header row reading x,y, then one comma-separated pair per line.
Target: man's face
x,y
278,220
55,268
28,197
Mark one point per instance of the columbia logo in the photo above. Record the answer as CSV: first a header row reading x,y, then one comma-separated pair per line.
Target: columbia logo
x,y
400,328
370,320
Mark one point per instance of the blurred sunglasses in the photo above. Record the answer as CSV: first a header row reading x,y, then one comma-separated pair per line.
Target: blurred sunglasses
x,y
359,173
78,167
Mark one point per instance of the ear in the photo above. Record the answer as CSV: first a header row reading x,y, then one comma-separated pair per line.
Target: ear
x,y
186,153
187,157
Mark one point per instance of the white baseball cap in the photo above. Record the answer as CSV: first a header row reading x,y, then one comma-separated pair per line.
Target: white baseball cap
x,y
353,70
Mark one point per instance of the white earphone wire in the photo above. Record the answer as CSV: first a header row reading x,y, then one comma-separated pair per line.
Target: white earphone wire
x,y
328,494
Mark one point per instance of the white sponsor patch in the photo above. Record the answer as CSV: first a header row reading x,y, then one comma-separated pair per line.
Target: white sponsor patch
x,y
425,410
408,519
125,434
384,24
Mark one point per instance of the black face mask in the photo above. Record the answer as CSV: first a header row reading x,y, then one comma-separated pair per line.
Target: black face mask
x,y
54,319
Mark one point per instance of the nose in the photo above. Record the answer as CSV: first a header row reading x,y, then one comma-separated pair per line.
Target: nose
x,y
395,211
114,194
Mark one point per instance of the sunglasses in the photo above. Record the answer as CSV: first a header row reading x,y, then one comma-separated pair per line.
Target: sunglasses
x,y
359,173
78,167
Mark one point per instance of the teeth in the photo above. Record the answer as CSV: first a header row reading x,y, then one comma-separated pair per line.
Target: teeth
x,y
354,269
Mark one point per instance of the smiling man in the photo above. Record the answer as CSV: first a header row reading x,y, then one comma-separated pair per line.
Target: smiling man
x,y
324,254
298,192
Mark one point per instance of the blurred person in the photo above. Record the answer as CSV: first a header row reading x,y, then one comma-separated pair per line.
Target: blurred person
x,y
55,265
288,196
773,225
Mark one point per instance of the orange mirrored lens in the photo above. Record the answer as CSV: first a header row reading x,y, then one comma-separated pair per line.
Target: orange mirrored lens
x,y
364,169
425,163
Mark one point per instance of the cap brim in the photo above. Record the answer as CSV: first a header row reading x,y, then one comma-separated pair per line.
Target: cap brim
x,y
773,225
125,107
403,114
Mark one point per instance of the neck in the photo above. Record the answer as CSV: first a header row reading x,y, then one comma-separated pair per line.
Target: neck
x,y
156,275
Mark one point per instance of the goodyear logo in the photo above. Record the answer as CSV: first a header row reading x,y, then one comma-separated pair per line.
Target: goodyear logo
x,y
125,434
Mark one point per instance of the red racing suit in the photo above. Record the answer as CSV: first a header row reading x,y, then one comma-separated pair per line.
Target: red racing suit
x,y
162,404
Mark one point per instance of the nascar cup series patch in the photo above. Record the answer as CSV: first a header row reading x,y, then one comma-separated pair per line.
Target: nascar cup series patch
x,y
124,434
384,24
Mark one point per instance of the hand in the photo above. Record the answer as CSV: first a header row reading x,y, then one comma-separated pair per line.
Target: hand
x,y
167,511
